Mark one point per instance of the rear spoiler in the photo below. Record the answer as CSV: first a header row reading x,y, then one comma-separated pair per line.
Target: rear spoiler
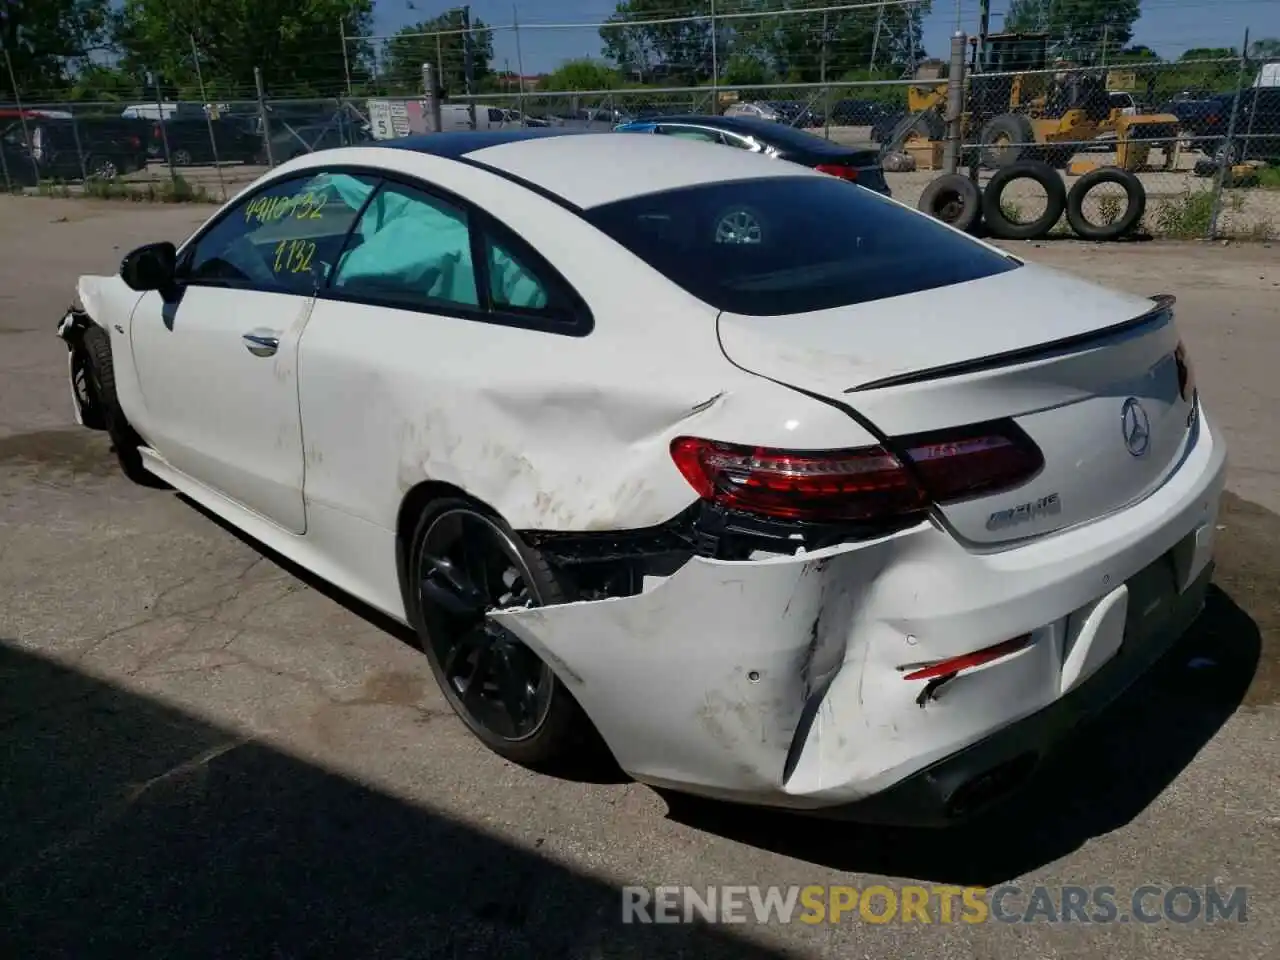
x,y
1160,313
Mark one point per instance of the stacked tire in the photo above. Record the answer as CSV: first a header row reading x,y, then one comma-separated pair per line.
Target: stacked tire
x,y
1135,205
955,199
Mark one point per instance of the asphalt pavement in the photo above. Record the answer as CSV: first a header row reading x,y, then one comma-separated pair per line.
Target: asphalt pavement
x,y
204,752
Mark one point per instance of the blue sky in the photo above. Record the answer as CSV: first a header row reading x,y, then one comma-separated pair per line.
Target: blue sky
x,y
1168,26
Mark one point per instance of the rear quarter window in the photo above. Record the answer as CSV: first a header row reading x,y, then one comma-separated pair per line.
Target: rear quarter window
x,y
786,245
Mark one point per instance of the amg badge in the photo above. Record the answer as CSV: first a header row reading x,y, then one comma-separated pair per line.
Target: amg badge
x,y
1023,512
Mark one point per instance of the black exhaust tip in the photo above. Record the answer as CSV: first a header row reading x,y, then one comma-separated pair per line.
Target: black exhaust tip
x,y
979,792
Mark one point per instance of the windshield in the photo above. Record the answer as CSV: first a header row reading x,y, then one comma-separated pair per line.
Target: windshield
x,y
786,245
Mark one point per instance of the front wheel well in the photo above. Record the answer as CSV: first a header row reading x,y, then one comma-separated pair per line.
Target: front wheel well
x,y
411,507
92,415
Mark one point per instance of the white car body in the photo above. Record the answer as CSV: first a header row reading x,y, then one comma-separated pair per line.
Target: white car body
x,y
777,677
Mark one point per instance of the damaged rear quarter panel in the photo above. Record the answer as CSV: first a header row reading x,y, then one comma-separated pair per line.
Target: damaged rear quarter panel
x,y
731,651
554,432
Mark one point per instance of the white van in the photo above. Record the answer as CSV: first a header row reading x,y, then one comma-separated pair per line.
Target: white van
x,y
457,116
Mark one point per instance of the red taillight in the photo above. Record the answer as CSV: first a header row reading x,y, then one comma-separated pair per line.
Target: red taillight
x,y
954,465
1186,372
799,485
1211,118
837,170
866,483
135,142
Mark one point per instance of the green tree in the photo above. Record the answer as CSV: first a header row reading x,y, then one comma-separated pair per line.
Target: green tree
x,y
1210,53
792,40
1078,29
803,46
582,74
47,41
439,41
296,43
1268,48
675,48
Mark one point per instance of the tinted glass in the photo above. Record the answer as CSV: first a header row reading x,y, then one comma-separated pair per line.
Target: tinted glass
x,y
410,248
791,245
285,238
690,133
782,134
513,284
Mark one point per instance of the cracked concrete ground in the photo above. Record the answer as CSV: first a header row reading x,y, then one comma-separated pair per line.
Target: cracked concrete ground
x,y
204,752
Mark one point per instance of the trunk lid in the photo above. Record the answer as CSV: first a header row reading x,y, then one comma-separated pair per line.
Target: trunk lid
x,y
1088,374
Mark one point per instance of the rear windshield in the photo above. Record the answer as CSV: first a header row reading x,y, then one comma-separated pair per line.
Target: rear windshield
x,y
792,244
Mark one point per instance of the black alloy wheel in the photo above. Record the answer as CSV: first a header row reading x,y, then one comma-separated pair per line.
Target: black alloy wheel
x,y
465,566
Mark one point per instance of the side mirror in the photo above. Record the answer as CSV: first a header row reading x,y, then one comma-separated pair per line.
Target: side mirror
x,y
151,267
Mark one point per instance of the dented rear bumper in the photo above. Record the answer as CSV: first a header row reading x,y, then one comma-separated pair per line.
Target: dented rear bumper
x,y
781,681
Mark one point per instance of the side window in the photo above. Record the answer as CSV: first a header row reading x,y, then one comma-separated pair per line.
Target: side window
x,y
495,115
411,248
284,239
739,142
512,283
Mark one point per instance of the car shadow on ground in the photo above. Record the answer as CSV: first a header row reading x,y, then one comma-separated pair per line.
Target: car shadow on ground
x,y
593,764
1098,781
130,829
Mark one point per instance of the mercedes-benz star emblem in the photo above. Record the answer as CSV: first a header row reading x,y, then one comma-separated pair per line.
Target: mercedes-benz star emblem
x,y
1135,427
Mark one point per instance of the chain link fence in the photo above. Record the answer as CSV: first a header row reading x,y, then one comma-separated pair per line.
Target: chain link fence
x,y
1201,135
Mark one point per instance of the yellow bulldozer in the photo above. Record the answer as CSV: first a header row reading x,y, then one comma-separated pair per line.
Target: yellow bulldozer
x,y
1018,107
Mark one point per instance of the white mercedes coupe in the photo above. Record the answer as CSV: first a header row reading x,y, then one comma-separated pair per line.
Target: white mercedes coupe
x,y
790,493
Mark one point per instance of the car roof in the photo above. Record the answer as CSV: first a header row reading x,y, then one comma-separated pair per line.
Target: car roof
x,y
589,169
781,135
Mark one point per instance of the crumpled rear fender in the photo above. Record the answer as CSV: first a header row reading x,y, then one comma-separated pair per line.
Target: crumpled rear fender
x,y
739,654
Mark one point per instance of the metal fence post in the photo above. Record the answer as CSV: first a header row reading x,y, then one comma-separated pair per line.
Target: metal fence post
x,y
22,116
515,20
431,97
346,60
715,62
4,170
468,65
75,135
154,80
262,115
1227,159
208,115
955,103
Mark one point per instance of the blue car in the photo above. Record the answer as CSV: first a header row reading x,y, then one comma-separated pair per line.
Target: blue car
x,y
860,165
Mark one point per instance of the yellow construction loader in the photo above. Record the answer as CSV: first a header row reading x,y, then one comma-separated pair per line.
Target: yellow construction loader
x,y
1018,107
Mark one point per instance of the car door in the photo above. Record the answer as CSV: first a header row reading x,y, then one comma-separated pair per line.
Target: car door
x,y
217,358
1263,125
406,326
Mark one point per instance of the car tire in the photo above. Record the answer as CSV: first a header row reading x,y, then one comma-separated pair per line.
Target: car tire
x,y
101,168
102,378
1226,153
1055,201
562,733
1134,210
1013,128
954,199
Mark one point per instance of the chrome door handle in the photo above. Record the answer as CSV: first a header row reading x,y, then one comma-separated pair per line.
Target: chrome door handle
x,y
261,343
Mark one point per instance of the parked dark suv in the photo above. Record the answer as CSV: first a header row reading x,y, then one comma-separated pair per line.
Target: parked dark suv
x,y
1257,130
101,147
189,143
